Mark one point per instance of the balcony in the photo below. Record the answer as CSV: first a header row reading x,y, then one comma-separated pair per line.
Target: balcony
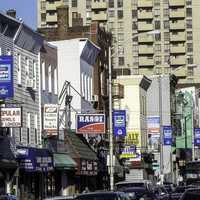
x,y
143,26
176,49
180,72
53,6
143,49
179,13
179,37
145,15
100,16
51,18
176,3
180,25
101,5
145,3
145,39
146,61
179,60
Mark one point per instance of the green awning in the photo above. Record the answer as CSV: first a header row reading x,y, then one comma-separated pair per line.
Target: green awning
x,y
64,161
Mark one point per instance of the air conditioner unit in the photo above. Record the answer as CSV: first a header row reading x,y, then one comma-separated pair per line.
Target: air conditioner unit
x,y
95,98
29,83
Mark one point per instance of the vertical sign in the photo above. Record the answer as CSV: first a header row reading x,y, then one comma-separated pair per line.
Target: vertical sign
x,y
197,136
119,122
6,77
167,135
153,125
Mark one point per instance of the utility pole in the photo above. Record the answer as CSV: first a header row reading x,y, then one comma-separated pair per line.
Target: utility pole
x,y
110,125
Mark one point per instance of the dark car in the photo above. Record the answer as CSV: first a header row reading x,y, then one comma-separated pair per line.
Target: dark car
x,y
103,196
191,194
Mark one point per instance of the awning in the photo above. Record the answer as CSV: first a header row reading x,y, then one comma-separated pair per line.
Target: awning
x,y
64,161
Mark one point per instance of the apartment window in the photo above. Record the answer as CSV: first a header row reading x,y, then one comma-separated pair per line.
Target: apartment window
x,y
189,23
34,74
111,4
28,127
190,59
166,36
158,70
158,37
74,15
189,12
134,3
111,13
166,24
19,69
189,47
190,71
120,3
166,59
166,48
43,5
120,37
49,78
134,26
35,128
158,48
157,2
157,24
135,39
74,3
134,14
158,60
43,76
120,25
135,48
88,4
120,14
189,35
188,2
55,81
166,12
121,61
157,12
120,50
66,2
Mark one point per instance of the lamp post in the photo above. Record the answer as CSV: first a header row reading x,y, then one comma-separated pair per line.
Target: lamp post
x,y
111,145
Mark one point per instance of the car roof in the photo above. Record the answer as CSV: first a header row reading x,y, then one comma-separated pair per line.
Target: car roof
x,y
100,193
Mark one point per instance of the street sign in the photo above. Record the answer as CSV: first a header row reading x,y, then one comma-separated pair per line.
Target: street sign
x,y
197,136
167,135
6,77
119,122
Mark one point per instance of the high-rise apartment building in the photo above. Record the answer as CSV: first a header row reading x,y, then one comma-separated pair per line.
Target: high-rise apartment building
x,y
174,50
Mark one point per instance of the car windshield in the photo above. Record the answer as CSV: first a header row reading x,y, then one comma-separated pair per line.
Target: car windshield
x,y
98,197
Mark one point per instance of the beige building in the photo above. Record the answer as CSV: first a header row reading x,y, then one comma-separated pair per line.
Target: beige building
x,y
174,50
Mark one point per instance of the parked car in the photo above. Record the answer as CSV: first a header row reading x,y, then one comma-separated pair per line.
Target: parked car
x,y
134,183
191,194
103,196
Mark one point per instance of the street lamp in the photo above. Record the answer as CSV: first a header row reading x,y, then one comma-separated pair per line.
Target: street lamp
x,y
154,32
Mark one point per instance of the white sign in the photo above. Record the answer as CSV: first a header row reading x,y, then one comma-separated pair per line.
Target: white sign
x,y
51,119
10,117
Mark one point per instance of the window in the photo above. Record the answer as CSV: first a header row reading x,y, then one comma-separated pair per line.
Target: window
x,y
157,24
74,3
34,75
166,24
166,12
166,59
43,76
158,60
157,2
28,126
111,13
88,4
190,59
121,61
120,50
120,25
166,48
120,14
189,12
134,14
135,48
189,35
188,2
27,67
49,78
35,128
134,3
19,69
120,3
189,23
55,81
158,37
166,36
43,17
74,15
43,5
134,26
120,37
157,47
190,71
157,12
8,52
111,4
189,47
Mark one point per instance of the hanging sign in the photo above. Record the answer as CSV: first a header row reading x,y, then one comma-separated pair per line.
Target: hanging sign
x,y
119,122
197,136
167,135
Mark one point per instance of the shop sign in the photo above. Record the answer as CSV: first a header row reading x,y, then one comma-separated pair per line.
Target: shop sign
x,y
10,117
35,160
90,123
167,135
6,77
197,136
153,124
51,119
119,122
88,167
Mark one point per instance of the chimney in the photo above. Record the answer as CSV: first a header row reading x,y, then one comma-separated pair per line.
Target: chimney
x,y
11,12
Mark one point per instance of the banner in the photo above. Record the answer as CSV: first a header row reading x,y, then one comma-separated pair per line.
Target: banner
x,y
153,124
132,145
197,136
11,117
6,77
167,135
51,119
90,123
119,122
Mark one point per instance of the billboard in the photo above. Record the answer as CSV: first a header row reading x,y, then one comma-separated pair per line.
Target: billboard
x,y
167,135
51,119
90,123
132,145
153,124
6,77
11,117
119,122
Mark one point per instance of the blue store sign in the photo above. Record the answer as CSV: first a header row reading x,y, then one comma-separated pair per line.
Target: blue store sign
x,y
197,136
167,135
35,159
119,122
6,77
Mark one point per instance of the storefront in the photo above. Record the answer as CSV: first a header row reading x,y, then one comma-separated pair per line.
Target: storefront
x,y
35,172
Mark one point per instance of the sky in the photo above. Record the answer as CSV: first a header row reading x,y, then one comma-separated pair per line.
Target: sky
x,y
26,9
